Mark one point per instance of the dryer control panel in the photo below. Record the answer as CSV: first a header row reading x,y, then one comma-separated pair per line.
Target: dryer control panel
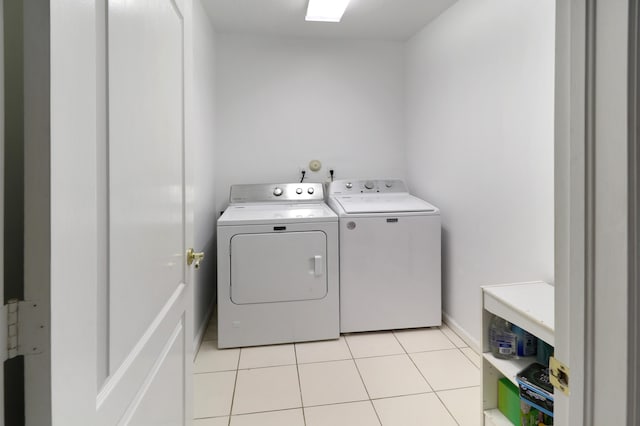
x,y
362,186
277,192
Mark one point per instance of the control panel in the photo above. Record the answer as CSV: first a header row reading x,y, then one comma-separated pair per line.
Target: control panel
x,y
277,192
357,186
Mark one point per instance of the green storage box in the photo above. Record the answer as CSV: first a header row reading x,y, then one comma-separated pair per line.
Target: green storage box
x,y
509,400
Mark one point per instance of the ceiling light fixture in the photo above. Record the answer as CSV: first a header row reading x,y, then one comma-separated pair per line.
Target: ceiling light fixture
x,y
326,10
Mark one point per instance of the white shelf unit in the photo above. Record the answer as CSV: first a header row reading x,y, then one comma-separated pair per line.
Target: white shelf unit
x,y
528,305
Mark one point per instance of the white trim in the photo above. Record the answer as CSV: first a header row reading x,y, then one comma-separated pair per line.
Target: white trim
x,y
609,125
461,332
202,328
569,200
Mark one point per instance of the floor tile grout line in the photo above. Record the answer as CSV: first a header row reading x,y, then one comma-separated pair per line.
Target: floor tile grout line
x,y
375,412
421,373
235,387
268,366
469,359
436,350
393,332
362,380
402,396
455,389
295,354
449,338
371,400
216,371
408,355
430,350
446,408
409,394
252,413
330,360
472,362
436,392
329,404
414,363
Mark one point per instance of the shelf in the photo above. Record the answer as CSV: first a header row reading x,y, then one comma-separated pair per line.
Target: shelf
x,y
494,417
509,368
528,305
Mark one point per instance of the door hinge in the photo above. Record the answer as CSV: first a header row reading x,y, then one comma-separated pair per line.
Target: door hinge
x,y
25,328
559,375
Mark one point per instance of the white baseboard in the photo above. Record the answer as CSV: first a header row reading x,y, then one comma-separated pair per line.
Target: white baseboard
x,y
468,339
197,341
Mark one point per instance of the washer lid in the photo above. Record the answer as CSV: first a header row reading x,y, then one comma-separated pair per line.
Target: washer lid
x,y
387,203
267,213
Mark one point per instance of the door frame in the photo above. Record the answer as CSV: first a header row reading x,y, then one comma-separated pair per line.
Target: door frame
x,y
593,207
3,311
569,199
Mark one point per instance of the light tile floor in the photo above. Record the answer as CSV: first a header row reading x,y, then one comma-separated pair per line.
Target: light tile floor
x,y
424,377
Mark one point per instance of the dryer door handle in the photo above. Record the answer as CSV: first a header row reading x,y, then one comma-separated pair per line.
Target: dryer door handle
x,y
318,266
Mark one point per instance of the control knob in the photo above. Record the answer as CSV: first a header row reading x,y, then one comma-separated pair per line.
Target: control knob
x,y
299,191
368,185
277,192
349,185
310,190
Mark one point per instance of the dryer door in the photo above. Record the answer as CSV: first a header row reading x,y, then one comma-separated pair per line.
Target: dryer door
x,y
278,267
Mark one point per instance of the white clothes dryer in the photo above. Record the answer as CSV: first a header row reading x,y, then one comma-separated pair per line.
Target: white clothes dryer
x,y
390,253
277,266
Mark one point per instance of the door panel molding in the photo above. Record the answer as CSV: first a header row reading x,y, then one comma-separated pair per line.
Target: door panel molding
x,y
131,374
102,184
155,406
178,333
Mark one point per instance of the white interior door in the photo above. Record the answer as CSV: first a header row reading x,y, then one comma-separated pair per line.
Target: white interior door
x,y
129,361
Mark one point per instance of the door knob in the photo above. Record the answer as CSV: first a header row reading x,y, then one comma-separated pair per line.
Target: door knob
x,y
194,258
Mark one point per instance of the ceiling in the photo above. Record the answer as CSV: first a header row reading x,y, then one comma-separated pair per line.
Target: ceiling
x,y
363,19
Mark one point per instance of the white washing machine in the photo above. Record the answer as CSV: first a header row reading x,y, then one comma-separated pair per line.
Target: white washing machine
x,y
277,266
390,253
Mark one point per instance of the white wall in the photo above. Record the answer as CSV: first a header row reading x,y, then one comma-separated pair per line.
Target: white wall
x,y
480,144
201,139
282,102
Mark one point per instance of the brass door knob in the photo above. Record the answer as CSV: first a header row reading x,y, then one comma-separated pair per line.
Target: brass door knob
x,y
194,258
